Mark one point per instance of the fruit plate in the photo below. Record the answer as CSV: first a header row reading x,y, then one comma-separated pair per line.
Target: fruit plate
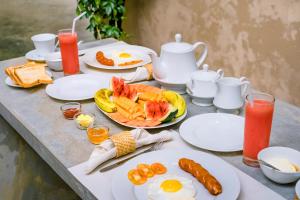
x,y
140,105
175,121
224,172
137,53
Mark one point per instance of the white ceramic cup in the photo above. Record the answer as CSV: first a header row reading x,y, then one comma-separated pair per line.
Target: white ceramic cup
x,y
44,43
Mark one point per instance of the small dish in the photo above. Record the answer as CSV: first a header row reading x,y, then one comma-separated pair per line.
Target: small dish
x,y
177,87
97,134
54,61
84,120
70,109
280,152
34,56
297,189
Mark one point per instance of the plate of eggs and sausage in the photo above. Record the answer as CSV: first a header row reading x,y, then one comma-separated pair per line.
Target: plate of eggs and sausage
x,y
118,57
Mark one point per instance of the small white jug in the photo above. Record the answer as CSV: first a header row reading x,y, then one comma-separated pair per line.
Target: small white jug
x,y
230,92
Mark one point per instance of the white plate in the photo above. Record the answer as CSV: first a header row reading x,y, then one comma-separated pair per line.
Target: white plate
x,y
34,56
177,87
77,87
214,131
122,188
147,127
297,189
11,83
140,52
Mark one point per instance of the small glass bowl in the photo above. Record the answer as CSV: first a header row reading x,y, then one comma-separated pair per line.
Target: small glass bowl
x,y
70,109
84,123
97,133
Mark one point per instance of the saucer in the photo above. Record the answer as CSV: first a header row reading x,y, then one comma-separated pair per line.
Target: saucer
x,y
34,56
234,111
200,101
180,88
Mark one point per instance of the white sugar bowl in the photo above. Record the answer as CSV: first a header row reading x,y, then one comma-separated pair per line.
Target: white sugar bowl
x,y
202,87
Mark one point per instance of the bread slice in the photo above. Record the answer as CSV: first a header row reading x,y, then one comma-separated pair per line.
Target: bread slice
x,y
29,74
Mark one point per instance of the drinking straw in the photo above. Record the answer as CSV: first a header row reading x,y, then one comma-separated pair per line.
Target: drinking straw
x,y
74,21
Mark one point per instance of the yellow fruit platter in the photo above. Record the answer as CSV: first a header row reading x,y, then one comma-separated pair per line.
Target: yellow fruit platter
x,y
139,105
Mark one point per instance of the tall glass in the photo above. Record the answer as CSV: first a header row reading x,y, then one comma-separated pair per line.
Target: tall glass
x,y
69,51
258,123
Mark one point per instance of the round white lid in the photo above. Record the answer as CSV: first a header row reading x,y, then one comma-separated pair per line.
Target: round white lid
x,y
178,46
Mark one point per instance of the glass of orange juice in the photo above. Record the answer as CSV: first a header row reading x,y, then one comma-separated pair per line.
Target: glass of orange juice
x,y
259,110
69,51
97,134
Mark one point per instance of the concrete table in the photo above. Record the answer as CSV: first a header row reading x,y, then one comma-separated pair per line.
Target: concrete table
x,y
38,119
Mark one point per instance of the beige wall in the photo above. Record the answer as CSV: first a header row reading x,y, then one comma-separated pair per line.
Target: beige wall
x,y
259,39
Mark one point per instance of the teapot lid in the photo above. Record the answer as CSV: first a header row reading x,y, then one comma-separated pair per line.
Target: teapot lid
x,y
178,46
205,74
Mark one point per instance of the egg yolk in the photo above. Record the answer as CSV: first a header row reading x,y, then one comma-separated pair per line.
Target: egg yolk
x,y
124,55
171,185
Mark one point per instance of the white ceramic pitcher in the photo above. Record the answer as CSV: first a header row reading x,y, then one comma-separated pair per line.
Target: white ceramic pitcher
x,y
230,92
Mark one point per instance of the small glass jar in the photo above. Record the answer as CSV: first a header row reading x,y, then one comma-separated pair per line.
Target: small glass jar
x,y
84,120
97,134
70,109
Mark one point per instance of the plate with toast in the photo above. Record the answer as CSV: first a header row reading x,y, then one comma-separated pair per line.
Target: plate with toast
x,y
27,75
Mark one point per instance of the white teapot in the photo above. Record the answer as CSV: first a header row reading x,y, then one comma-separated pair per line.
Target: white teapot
x,y
177,61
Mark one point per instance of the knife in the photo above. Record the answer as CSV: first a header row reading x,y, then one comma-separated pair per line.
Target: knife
x,y
119,161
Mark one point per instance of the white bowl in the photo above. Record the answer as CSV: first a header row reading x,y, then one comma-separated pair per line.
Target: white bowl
x,y
280,152
297,189
53,61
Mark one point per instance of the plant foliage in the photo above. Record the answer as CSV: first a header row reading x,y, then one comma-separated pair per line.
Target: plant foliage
x,y
105,17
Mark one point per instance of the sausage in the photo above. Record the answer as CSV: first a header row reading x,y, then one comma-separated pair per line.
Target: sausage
x,y
201,174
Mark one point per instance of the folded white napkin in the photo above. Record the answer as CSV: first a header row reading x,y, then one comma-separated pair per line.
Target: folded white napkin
x,y
106,150
143,73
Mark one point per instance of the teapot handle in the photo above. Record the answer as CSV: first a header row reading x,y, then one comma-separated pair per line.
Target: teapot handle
x,y
220,73
245,85
204,53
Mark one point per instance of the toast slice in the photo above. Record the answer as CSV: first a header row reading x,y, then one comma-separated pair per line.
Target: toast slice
x,y
30,76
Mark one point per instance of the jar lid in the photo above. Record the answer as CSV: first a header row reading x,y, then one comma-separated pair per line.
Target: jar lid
x,y
178,46
205,74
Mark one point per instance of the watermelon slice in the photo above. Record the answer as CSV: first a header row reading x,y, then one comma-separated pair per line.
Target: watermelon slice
x,y
121,89
160,110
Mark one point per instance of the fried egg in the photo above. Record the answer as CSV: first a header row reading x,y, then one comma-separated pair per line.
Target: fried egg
x,y
171,187
121,57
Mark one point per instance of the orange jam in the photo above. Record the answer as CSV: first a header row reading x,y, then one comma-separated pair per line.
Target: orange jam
x,y
97,134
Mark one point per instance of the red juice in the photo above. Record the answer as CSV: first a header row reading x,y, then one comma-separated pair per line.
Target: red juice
x,y
69,51
258,123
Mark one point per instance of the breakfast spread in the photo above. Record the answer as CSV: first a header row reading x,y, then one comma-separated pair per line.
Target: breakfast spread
x,y
29,74
171,187
97,134
84,121
201,174
139,105
120,58
283,164
144,171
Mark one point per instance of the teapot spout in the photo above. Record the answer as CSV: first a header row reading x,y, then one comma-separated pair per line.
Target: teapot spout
x,y
158,70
